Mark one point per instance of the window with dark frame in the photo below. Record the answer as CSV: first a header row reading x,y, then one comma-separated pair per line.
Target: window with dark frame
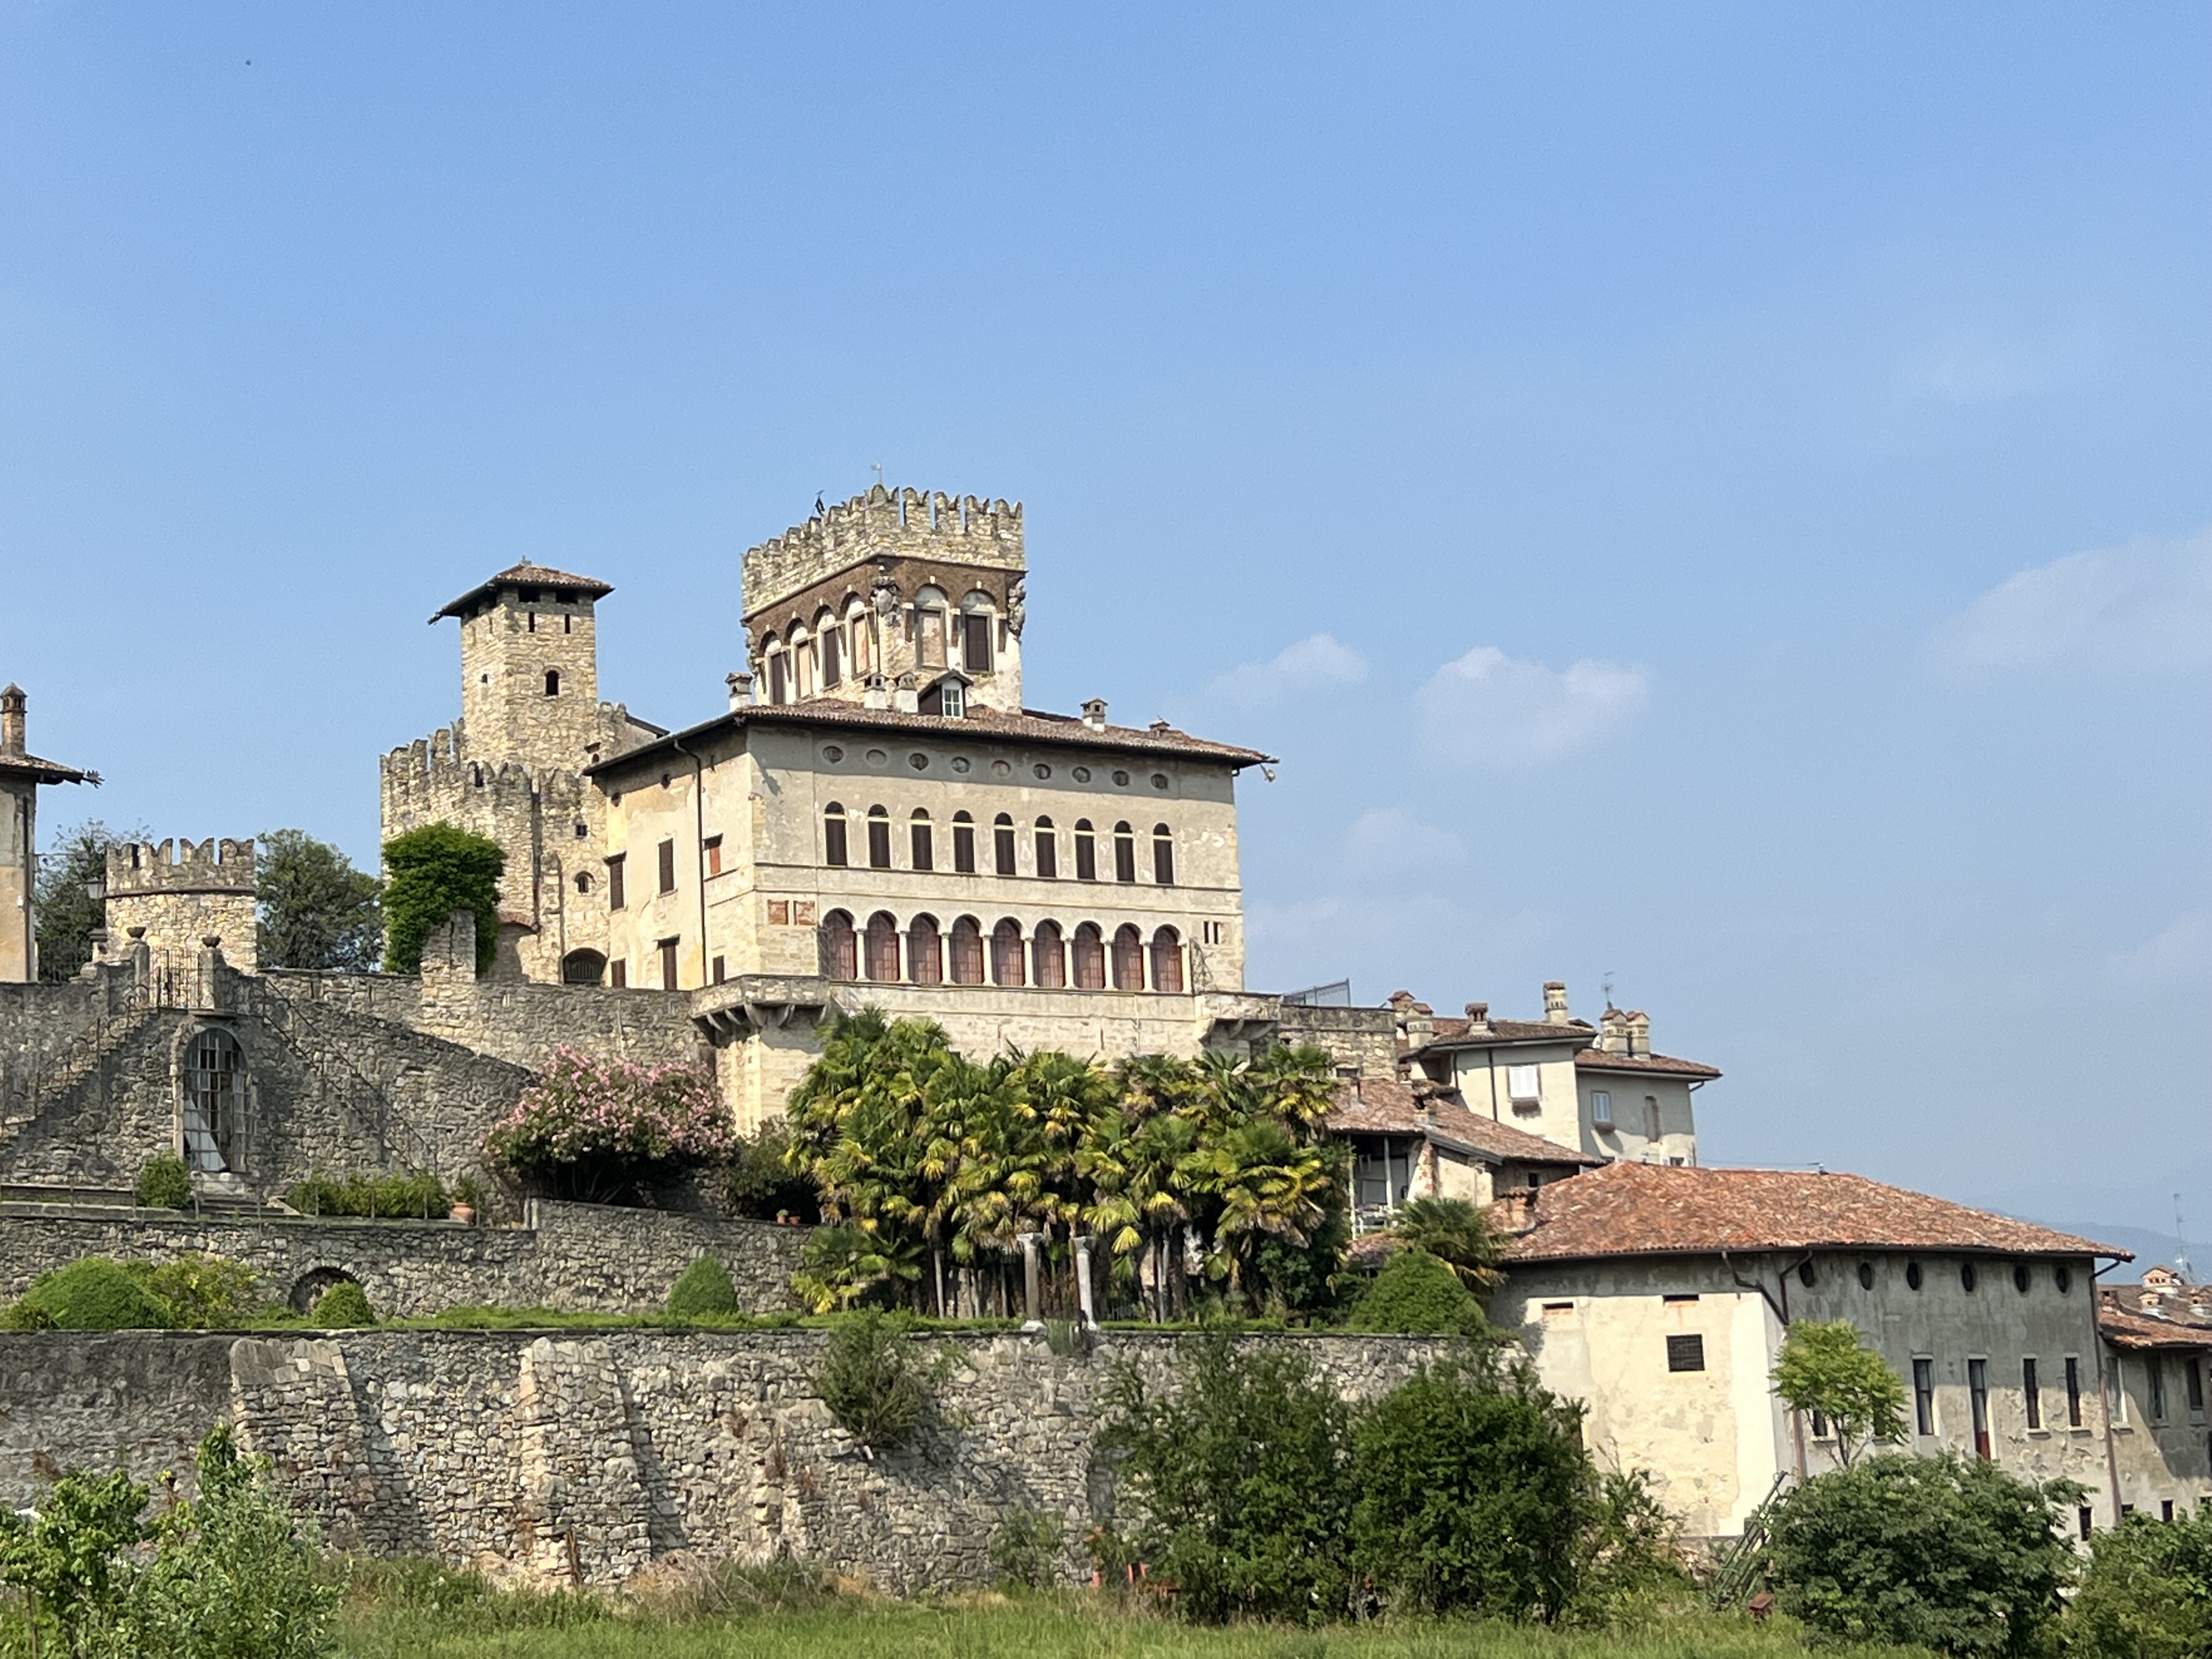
x,y
1163,855
1978,1401
2073,1391
1002,844
2192,1370
918,834
833,835
976,643
666,854
668,970
832,668
925,951
1125,853
712,850
1686,1351
839,947
1923,1396
1047,849
2154,1375
618,973
963,844
879,839
615,883
2030,1394
722,973
1086,852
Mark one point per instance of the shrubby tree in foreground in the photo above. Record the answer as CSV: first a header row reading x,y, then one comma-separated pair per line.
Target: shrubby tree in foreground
x,y
1939,1553
1825,1367
601,1129
316,909
430,873
2148,1594
67,914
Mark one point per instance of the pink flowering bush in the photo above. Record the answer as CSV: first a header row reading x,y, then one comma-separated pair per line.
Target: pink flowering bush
x,y
592,1128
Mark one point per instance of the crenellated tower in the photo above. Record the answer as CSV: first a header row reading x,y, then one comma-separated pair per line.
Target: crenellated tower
x,y
891,599
173,897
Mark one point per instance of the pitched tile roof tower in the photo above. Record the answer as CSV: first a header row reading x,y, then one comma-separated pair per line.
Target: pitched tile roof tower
x,y
20,774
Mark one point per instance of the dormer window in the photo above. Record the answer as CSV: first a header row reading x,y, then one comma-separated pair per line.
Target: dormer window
x,y
952,701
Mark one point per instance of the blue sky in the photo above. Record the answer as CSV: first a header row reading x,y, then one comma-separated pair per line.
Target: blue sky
x,y
1715,497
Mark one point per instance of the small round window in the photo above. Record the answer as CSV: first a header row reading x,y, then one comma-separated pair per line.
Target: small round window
x,y
1042,769
1806,1276
960,763
1966,1275
1159,780
2019,1276
2063,1278
1083,775
1912,1275
1866,1275
1122,778
919,762
833,754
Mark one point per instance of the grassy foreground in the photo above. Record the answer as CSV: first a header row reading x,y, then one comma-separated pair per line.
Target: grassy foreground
x,y
1028,1627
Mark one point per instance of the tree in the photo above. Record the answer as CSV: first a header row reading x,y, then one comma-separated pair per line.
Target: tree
x,y
317,910
1458,1234
66,912
1416,1293
430,873
1823,1368
2148,1594
1939,1553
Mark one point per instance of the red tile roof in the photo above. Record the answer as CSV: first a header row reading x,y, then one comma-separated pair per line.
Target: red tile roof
x,y
2121,1317
1385,1106
980,725
1453,1033
43,771
1600,1060
525,574
1649,1209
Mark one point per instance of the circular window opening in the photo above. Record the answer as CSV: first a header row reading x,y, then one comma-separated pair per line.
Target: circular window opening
x,y
1083,775
1159,780
960,763
1000,768
833,754
1122,778
877,758
1967,1276
1912,1275
1866,1275
2063,1278
919,762
2019,1276
1042,769
1806,1276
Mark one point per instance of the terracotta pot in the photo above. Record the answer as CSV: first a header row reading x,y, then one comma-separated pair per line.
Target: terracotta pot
x,y
465,1215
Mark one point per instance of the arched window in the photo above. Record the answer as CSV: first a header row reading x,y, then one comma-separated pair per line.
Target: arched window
x,y
839,950
583,968
1047,849
1006,953
1163,855
1002,843
879,839
967,952
1086,852
552,682
1049,957
779,670
929,627
1090,953
918,834
833,668
214,1078
963,844
882,947
802,664
583,881
856,631
925,951
834,850
1125,853
975,630
1167,960
1128,958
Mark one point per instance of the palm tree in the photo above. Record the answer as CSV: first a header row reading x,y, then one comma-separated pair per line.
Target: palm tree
x,y
1458,1234
1267,1185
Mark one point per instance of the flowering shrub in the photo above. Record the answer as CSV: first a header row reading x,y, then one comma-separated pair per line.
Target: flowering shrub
x,y
592,1128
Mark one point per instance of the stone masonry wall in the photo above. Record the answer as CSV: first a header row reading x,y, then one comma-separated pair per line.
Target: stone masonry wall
x,y
590,1455
578,1258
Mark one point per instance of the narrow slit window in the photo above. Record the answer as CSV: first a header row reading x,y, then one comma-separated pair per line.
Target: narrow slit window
x,y
666,854
2073,1391
2030,1394
712,851
918,834
1047,849
615,882
552,682
1163,855
1923,1396
963,844
833,835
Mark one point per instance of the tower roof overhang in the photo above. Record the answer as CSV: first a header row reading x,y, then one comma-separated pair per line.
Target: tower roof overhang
x,y
525,575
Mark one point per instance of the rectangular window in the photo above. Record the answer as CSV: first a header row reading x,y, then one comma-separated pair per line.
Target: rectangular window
x,y
1686,1354
1002,847
924,852
1819,1423
2073,1391
1672,1301
963,848
2084,1520
1978,1399
1164,861
832,670
668,964
2165,1509
712,851
721,973
2030,1394
879,842
2192,1370
1600,1108
615,882
1520,1082
1048,854
2154,1373
2115,1391
976,643
932,625
1923,1395
1125,857
667,851
777,687
832,841
1086,856
618,973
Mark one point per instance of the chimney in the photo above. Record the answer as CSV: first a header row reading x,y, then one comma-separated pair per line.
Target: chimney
x,y
1639,1035
741,691
1555,1002
12,739
1417,1026
1612,1032
1094,712
876,694
907,698
1478,1019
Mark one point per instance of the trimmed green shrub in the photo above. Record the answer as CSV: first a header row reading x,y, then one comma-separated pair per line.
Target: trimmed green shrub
x,y
1943,1553
874,1383
2148,1594
1241,1479
1416,1293
164,1183
344,1306
201,1291
416,1196
704,1291
95,1294
430,873
1475,1493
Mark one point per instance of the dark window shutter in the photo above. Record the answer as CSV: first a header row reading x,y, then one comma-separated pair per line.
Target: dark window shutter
x,y
668,866
615,883
1686,1354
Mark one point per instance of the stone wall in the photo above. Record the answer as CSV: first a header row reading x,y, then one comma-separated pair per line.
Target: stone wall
x,y
579,1258
590,1455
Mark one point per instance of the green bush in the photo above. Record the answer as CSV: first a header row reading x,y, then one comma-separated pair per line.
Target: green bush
x,y
873,1380
164,1183
703,1291
1939,1553
758,1183
1025,1553
2148,1594
416,1195
344,1306
201,1291
1475,1494
1241,1480
95,1294
1416,1293
430,873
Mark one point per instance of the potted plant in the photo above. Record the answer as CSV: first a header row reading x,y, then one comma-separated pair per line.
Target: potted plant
x,y
468,1194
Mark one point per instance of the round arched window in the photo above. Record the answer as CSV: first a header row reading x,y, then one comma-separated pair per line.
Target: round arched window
x,y
215,1086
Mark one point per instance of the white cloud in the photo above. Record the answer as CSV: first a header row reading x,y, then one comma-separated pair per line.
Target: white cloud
x,y
1388,847
1490,709
2144,607
1319,660
2181,951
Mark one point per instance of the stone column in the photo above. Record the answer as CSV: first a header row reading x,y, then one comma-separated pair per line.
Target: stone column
x,y
208,992
1083,1281
1032,1275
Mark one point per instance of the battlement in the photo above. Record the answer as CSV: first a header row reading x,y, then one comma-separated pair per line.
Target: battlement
x,y
180,866
441,769
882,525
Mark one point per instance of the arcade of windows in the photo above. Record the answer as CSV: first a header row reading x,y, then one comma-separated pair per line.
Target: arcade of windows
x,y
923,953
873,845
806,661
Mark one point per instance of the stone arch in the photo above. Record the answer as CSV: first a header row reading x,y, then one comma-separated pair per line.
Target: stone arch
x,y
583,968
308,1289
212,1087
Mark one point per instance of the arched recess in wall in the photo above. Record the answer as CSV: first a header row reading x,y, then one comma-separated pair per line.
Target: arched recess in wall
x,y
1049,954
883,942
925,951
308,1288
860,646
833,657
967,952
1088,950
1167,960
1006,953
583,968
211,1094
1128,958
839,947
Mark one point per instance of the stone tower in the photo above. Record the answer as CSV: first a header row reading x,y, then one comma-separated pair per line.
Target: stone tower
x,y
895,601
20,774
529,664
180,896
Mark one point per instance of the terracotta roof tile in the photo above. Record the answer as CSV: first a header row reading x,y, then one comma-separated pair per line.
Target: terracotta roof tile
x,y
1600,1060
1648,1209
43,771
1455,1033
2175,1324
1387,1106
525,574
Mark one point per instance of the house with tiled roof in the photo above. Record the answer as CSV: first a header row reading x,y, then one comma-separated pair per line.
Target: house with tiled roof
x,y
2158,1347
1418,1139
1658,1295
